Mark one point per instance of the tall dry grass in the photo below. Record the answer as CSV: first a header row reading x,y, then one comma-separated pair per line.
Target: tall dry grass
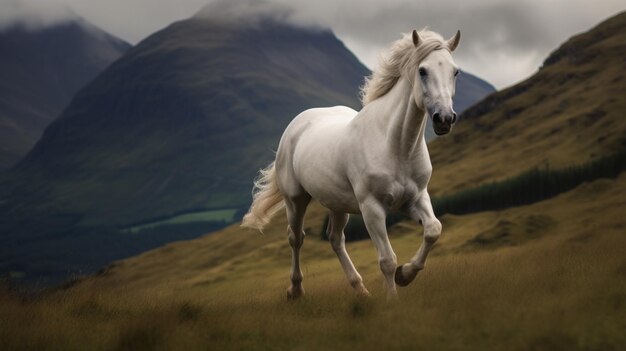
x,y
537,297
563,290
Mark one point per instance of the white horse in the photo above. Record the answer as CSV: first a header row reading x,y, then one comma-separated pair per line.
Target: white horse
x,y
372,162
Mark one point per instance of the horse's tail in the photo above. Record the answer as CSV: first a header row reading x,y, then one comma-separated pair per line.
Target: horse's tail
x,y
266,200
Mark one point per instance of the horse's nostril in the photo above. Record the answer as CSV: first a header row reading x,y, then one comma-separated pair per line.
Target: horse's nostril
x,y
453,117
436,117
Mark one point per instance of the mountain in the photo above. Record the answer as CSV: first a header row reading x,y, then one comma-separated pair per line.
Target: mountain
x,y
180,123
185,118
189,115
40,71
551,272
233,256
569,113
164,144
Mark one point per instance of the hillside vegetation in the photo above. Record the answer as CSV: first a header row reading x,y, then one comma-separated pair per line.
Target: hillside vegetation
x,y
568,113
545,276
529,187
548,276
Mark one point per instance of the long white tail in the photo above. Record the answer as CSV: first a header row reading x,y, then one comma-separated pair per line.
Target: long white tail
x,y
266,200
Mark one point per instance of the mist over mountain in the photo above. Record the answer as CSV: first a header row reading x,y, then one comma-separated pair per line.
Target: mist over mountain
x,y
41,68
34,15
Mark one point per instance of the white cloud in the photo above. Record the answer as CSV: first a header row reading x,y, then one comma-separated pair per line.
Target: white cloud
x,y
502,41
33,14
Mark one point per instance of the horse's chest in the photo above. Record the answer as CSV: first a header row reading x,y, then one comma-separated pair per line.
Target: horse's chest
x,y
393,192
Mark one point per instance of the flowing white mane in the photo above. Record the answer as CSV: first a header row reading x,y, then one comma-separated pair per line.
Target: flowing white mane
x,y
402,58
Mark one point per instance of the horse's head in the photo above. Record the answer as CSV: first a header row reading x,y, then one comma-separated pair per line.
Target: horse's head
x,y
435,79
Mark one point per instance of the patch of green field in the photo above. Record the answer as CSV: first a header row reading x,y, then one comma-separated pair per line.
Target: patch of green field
x,y
226,215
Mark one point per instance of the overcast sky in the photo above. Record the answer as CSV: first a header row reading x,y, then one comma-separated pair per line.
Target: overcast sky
x,y
502,41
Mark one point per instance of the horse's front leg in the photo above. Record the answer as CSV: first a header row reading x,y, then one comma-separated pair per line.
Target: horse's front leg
x,y
374,217
421,211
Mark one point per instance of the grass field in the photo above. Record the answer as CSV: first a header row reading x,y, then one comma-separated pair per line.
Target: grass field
x,y
225,215
549,276
546,276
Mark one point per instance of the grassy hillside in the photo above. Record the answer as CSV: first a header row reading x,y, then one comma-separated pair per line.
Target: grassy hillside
x,y
549,276
568,113
545,276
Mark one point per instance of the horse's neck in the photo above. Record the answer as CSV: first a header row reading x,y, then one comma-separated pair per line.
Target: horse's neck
x,y
403,121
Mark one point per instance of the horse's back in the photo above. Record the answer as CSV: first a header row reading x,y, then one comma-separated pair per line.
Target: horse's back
x,y
309,155
314,124
322,117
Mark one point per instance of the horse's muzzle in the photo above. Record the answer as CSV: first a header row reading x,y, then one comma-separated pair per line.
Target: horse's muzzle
x,y
442,124
442,131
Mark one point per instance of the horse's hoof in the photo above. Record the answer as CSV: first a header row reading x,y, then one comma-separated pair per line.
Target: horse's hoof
x,y
294,293
402,279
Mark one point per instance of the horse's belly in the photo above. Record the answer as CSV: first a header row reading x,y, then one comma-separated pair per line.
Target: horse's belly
x,y
339,200
328,186
323,177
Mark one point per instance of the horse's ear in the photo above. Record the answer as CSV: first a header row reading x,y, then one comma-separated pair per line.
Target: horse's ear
x,y
454,41
416,38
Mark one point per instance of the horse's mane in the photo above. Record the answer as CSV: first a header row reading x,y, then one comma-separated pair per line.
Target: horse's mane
x,y
401,58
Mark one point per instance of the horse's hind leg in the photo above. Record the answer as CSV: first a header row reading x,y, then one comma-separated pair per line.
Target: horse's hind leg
x,y
336,223
296,207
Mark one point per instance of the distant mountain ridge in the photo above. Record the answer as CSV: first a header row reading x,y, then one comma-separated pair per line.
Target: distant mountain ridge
x,y
40,71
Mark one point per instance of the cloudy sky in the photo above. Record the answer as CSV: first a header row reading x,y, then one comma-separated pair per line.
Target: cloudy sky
x,y
503,41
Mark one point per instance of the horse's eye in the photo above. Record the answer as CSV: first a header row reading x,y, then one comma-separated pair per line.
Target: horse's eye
x,y
422,71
